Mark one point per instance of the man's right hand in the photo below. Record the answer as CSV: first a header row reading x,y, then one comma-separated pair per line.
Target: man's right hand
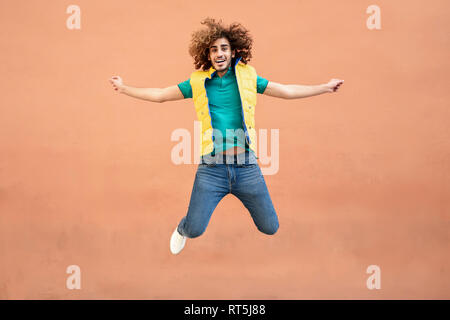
x,y
117,83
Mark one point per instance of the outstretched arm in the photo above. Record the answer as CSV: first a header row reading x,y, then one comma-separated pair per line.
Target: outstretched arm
x,y
151,94
292,91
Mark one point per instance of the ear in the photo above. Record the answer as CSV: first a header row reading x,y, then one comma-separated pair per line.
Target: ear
x,y
233,53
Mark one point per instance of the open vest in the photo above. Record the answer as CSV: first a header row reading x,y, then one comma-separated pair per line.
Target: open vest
x,y
246,79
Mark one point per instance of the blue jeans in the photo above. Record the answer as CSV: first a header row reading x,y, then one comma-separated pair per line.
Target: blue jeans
x,y
216,180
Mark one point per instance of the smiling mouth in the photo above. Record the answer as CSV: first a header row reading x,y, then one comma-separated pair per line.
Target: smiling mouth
x,y
220,61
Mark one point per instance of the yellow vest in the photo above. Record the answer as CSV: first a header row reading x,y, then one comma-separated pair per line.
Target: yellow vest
x,y
246,79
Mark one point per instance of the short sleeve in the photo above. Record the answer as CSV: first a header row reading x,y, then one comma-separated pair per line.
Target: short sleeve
x,y
186,88
261,84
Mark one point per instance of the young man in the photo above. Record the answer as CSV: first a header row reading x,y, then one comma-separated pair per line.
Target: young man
x,y
224,92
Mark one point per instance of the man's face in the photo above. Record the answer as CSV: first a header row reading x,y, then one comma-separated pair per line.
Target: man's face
x,y
220,54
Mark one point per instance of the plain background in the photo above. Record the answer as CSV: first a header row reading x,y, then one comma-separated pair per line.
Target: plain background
x,y
86,176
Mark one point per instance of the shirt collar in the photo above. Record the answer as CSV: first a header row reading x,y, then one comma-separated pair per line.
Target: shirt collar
x,y
229,72
212,72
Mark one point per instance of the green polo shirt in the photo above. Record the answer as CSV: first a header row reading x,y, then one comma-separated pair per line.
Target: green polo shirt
x,y
225,107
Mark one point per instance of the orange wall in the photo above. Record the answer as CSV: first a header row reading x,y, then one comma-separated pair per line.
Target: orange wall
x,y
86,176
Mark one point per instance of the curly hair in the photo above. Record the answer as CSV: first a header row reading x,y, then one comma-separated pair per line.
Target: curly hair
x,y
238,36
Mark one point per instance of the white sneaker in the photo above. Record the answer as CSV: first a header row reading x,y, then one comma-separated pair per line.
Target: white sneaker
x,y
177,242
